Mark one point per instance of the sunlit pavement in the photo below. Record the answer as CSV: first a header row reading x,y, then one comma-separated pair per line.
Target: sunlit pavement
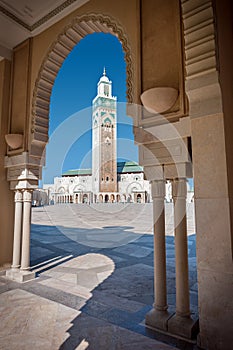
x,y
94,285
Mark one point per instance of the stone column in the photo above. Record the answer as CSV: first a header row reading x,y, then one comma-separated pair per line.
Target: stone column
x,y
159,316
179,193
17,229
25,258
181,324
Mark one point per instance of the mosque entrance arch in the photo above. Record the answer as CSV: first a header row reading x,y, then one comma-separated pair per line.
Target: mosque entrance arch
x,y
57,53
139,198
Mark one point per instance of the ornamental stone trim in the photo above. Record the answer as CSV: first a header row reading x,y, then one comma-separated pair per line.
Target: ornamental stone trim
x,y
57,53
18,196
158,189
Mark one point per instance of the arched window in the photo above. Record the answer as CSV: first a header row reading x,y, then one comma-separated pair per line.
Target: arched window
x,y
107,141
107,178
139,198
106,90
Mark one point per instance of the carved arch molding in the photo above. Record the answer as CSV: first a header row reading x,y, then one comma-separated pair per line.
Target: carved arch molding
x,y
57,53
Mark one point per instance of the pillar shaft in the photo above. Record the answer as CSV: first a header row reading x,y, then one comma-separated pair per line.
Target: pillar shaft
x,y
179,192
158,194
17,229
25,258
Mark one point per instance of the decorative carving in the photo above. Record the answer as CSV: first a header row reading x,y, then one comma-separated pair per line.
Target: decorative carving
x,y
61,47
158,188
199,37
42,20
159,99
179,188
14,141
27,196
201,64
23,171
18,196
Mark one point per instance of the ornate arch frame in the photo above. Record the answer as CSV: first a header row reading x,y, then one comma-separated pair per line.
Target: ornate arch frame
x,y
57,53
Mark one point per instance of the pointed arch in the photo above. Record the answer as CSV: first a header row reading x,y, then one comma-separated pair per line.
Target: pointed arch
x,y
57,53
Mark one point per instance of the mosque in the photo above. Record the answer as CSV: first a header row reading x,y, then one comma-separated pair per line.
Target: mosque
x,y
179,71
108,181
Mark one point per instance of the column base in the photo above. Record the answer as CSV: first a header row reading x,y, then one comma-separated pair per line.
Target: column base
x,y
156,319
19,275
15,268
185,327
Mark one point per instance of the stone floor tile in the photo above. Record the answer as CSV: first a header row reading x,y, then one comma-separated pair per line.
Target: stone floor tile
x,y
133,250
98,284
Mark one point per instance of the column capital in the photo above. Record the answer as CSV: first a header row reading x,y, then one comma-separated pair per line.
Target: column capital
x,y
27,195
18,196
158,188
179,188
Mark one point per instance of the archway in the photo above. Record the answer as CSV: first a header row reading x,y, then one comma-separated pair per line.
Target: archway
x,y
37,103
85,198
129,198
58,52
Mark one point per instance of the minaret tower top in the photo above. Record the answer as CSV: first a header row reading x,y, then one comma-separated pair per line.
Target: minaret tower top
x,y
104,87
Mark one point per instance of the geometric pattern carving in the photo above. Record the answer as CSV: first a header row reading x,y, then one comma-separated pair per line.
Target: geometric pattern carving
x,y
158,189
199,37
65,42
179,188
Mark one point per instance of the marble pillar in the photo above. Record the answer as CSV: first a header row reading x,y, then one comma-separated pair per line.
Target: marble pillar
x,y
181,323
17,229
179,193
25,256
158,316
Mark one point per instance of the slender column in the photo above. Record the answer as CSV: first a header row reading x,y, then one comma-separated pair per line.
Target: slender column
x,y
158,195
179,192
159,316
17,229
25,259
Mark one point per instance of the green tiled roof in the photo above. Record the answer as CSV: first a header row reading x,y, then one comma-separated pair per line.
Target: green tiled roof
x,y
77,172
128,167
122,168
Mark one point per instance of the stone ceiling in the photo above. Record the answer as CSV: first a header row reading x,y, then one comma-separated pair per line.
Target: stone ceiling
x,y
21,19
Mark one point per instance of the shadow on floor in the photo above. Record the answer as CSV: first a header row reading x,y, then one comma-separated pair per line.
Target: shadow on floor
x,y
107,274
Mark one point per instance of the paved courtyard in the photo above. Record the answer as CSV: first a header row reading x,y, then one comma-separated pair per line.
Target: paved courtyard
x,y
94,284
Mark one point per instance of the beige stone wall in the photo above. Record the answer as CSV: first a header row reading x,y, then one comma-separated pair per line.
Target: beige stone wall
x,y
209,81
6,207
224,22
208,85
214,256
162,52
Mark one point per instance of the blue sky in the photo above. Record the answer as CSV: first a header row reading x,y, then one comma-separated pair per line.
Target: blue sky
x,y
71,105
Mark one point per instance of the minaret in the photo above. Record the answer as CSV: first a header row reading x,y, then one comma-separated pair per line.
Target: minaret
x,y
104,125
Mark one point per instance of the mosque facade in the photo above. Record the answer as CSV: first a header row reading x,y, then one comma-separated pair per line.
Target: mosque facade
x,y
108,181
